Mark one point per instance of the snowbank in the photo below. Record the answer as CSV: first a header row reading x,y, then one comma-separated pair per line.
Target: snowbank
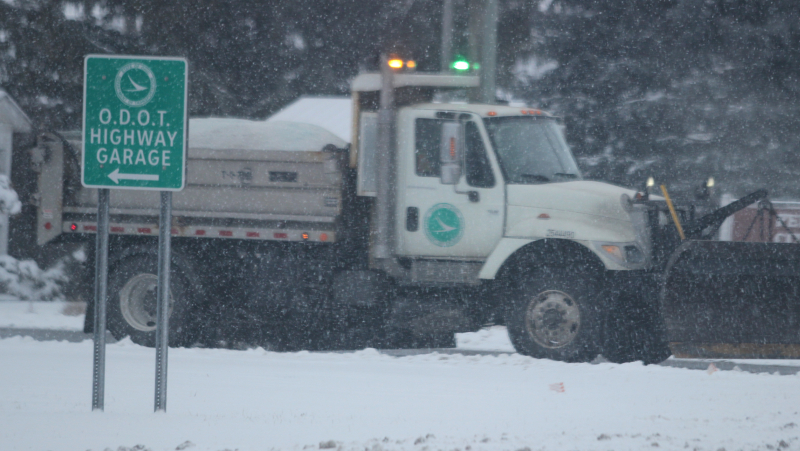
x,y
52,315
9,201
25,280
493,338
258,400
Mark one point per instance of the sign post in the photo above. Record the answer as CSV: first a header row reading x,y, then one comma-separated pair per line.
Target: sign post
x,y
100,286
134,137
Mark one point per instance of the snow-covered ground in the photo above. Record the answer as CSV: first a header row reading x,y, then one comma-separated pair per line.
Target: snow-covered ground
x,y
258,400
493,338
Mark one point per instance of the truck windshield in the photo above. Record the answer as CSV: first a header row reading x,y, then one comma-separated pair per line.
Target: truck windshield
x,y
531,150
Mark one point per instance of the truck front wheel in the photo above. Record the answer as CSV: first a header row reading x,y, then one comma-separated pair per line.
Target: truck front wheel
x,y
132,301
554,314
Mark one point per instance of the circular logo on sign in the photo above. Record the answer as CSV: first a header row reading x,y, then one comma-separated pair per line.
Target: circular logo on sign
x,y
135,84
444,225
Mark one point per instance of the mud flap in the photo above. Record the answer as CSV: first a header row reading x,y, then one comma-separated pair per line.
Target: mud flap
x,y
733,299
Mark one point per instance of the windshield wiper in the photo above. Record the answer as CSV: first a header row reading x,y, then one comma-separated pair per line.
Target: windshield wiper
x,y
566,175
537,177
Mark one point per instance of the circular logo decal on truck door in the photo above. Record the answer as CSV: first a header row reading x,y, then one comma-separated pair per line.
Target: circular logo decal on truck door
x,y
444,225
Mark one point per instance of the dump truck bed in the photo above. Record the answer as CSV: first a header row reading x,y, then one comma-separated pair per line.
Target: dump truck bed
x,y
245,179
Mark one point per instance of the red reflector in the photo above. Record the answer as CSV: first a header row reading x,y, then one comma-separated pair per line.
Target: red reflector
x,y
48,226
200,232
118,229
253,234
225,233
544,216
73,227
492,113
524,111
174,231
144,230
280,235
90,227
323,237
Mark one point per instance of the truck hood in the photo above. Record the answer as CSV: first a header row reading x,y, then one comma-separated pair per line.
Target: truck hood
x,y
582,197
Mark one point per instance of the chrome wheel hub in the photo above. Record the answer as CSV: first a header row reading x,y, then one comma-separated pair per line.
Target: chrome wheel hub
x,y
138,301
553,319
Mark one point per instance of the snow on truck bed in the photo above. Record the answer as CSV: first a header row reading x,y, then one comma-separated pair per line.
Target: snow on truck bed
x,y
244,134
259,400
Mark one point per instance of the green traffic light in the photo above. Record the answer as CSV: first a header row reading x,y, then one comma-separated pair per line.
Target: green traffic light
x,y
460,65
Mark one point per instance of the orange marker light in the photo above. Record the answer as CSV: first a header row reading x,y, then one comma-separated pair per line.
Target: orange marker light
x,y
491,113
395,63
411,64
304,235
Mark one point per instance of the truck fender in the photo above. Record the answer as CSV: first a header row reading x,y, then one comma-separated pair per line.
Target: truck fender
x,y
507,247
504,249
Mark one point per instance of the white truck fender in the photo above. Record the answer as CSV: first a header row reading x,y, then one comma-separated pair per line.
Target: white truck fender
x,y
499,255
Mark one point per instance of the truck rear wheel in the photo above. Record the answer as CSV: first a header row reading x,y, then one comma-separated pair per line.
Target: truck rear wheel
x,y
554,315
132,301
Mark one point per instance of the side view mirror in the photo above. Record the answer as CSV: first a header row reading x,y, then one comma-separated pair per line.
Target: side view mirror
x,y
451,151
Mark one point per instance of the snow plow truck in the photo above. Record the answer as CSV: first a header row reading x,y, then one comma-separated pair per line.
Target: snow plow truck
x,y
438,217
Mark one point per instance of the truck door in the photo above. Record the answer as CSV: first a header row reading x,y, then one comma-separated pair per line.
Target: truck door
x,y
436,220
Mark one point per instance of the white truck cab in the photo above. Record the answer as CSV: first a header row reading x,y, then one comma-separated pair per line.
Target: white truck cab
x,y
491,195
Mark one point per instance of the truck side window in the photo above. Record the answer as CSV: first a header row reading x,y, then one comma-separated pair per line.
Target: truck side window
x,y
478,168
426,147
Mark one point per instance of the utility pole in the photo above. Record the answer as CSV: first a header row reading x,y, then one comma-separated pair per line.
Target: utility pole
x,y
483,16
488,70
447,35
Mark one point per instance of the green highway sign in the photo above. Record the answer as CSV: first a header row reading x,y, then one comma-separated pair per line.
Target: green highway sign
x,y
134,122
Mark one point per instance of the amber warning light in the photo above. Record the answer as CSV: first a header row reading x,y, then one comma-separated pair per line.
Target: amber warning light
x,y
397,63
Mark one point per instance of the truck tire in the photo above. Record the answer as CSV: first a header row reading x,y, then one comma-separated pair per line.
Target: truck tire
x,y
554,314
132,300
635,333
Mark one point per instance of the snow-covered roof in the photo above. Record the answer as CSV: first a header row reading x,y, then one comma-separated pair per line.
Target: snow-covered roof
x,y
243,134
12,114
330,113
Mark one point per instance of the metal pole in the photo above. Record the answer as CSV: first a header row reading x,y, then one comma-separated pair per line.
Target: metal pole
x,y
447,35
474,39
162,314
488,70
385,162
100,289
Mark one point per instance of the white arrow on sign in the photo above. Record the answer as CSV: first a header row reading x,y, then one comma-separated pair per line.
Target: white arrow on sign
x,y
116,177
